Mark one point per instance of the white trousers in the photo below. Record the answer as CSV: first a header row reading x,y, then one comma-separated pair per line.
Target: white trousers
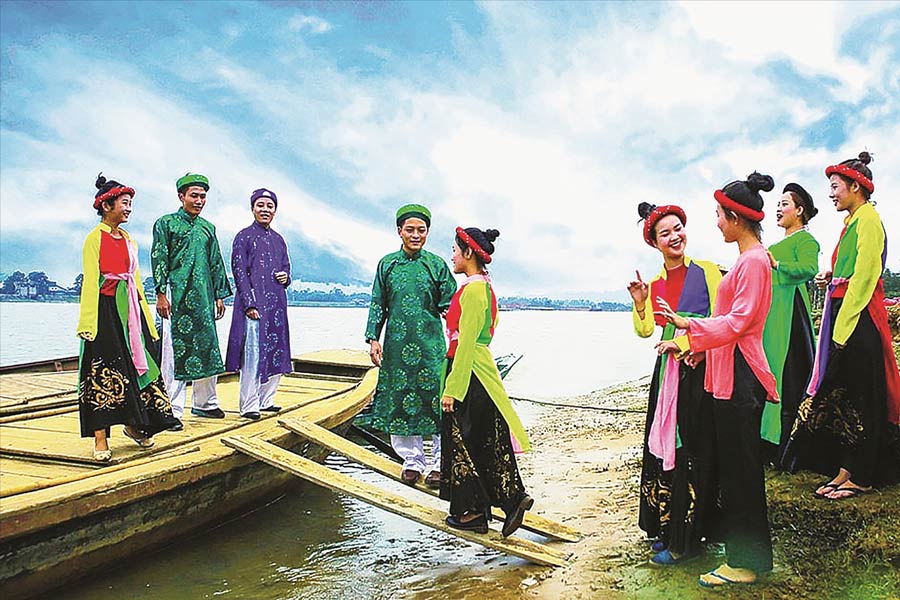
x,y
254,395
203,391
411,449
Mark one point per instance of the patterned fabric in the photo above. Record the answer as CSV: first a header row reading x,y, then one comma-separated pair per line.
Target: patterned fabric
x,y
110,391
798,262
186,260
408,296
257,253
478,465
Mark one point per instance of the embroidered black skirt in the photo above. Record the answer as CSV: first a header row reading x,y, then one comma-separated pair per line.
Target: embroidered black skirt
x,y
845,423
681,506
478,465
108,389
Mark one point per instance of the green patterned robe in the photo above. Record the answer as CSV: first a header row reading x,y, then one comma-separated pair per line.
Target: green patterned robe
x,y
409,294
186,259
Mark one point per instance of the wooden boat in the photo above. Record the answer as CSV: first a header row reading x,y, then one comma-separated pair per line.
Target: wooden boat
x,y
64,515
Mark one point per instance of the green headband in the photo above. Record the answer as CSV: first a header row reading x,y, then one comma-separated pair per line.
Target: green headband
x,y
413,210
190,179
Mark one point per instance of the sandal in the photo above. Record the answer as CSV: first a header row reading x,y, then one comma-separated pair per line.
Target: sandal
x,y
143,442
851,492
715,579
829,487
102,455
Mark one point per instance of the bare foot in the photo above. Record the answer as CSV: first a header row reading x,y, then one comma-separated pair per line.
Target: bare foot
x,y
848,489
823,491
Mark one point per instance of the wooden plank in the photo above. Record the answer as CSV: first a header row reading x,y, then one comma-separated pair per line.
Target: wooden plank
x,y
386,466
321,475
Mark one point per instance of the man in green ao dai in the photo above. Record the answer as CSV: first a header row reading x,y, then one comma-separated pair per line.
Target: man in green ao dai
x,y
412,288
191,284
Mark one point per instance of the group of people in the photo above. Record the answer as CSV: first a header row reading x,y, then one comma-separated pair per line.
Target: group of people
x,y
129,376
128,373
449,391
740,381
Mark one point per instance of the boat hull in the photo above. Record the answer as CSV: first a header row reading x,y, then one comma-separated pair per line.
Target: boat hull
x,y
55,534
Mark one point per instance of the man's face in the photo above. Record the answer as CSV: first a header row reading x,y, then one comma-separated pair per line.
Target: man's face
x,y
193,200
264,211
413,232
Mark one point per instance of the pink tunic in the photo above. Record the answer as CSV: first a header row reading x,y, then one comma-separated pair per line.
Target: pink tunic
x,y
742,305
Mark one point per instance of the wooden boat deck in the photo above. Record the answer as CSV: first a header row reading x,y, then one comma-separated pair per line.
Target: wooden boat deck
x,y
41,444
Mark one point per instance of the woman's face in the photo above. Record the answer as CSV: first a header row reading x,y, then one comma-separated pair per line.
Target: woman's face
x,y
120,211
843,195
671,237
787,213
727,225
459,258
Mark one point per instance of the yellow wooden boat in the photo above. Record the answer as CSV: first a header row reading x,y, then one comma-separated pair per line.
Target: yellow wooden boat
x,y
64,515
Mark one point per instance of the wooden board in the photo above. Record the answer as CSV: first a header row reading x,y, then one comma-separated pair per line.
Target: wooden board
x,y
386,466
58,436
321,475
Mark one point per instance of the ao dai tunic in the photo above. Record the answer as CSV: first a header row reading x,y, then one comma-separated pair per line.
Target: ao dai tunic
x,y
257,254
186,259
408,295
798,262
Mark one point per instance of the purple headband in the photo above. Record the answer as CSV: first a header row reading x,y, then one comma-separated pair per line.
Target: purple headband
x,y
263,193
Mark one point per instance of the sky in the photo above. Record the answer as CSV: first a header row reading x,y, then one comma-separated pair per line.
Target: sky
x,y
549,121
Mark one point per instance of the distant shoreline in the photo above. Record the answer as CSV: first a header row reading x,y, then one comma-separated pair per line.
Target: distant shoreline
x,y
310,304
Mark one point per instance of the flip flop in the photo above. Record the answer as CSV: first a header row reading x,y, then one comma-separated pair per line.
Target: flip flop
x,y
851,491
720,580
829,487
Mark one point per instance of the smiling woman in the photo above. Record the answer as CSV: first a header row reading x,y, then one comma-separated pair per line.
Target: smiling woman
x,y
119,380
678,486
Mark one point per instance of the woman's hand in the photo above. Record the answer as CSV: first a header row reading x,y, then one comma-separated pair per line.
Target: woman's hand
x,y
282,277
252,313
639,292
220,309
447,404
694,359
772,262
671,316
667,346
86,336
822,279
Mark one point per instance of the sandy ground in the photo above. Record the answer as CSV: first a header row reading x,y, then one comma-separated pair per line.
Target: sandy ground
x,y
586,474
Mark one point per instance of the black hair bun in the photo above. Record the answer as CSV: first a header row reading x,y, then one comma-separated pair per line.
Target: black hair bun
x,y
758,181
101,181
491,235
645,208
864,157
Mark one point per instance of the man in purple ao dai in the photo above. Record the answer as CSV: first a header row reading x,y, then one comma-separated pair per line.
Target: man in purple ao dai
x,y
259,341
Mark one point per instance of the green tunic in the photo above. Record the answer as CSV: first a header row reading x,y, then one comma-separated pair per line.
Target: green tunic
x,y
409,294
798,262
186,259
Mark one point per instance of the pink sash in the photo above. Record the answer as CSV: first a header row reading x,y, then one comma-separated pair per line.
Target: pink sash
x,y
661,440
134,310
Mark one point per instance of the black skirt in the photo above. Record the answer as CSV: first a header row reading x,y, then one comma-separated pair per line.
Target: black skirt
x,y
795,377
108,388
845,423
681,507
478,465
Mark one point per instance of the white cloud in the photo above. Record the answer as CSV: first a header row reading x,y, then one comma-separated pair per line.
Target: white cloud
x,y
309,23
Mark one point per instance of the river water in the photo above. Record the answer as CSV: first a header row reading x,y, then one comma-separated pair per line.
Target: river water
x,y
314,543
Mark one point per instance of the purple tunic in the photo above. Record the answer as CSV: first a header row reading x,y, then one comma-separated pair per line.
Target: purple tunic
x,y
257,254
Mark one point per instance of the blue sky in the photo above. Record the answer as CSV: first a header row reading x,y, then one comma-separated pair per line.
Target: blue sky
x,y
549,121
